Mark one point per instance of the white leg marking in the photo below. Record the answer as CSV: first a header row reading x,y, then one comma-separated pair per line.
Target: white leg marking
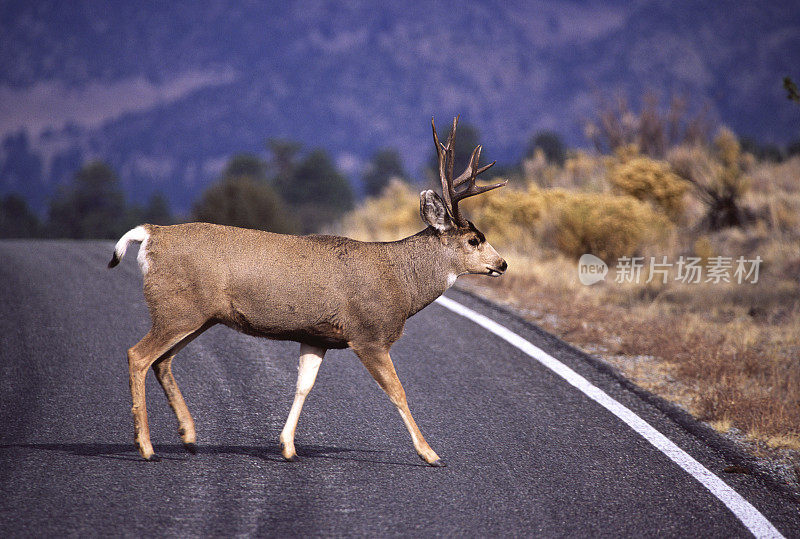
x,y
310,360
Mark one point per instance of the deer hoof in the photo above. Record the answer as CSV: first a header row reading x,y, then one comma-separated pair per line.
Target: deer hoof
x,y
191,448
153,458
288,452
439,463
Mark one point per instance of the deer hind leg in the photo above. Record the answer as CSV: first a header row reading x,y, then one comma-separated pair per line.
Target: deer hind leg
x,y
163,370
141,356
310,360
380,366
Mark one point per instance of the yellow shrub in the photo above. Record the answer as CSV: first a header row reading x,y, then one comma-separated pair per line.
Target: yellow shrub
x,y
626,152
729,154
605,225
391,216
652,181
573,222
703,248
507,216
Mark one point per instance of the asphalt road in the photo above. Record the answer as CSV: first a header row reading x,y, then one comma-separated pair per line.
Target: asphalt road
x,y
527,454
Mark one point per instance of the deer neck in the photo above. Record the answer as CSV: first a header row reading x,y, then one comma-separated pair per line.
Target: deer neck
x,y
424,267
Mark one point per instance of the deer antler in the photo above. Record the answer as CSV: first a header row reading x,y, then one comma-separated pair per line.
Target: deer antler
x,y
446,155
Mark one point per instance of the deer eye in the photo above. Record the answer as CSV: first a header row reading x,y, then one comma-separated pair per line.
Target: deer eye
x,y
474,241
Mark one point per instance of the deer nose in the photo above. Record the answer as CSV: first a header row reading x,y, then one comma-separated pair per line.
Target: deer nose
x,y
504,266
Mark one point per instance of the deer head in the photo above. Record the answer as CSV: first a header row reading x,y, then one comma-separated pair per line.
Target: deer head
x,y
472,252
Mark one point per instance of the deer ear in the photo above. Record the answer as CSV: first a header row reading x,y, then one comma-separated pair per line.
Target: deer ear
x,y
433,212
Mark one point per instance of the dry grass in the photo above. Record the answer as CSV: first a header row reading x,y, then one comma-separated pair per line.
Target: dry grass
x,y
727,352
722,364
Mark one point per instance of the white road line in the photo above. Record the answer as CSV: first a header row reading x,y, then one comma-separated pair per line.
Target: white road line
x,y
753,520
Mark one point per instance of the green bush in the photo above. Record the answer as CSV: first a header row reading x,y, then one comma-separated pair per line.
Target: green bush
x,y
245,202
91,206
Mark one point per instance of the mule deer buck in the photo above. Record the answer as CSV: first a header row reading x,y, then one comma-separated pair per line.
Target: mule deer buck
x,y
321,291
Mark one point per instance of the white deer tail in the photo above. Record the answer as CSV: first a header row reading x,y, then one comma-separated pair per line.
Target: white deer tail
x,y
138,235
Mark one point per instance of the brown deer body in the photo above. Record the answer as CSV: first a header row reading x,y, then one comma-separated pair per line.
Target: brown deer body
x,y
321,291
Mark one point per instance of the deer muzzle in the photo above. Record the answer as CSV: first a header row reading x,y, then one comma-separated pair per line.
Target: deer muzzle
x,y
498,269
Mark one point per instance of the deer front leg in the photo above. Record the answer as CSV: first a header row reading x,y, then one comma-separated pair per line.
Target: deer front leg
x,y
163,370
310,360
380,366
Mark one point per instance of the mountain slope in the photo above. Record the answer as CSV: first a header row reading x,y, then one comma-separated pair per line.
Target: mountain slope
x,y
166,93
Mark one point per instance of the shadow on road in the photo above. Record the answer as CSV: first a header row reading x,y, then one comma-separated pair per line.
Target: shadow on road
x,y
176,452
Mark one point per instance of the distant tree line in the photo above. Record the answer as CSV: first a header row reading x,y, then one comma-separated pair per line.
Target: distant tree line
x,y
297,191
289,192
93,205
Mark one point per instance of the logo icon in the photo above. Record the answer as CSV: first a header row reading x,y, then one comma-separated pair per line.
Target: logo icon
x,y
591,269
